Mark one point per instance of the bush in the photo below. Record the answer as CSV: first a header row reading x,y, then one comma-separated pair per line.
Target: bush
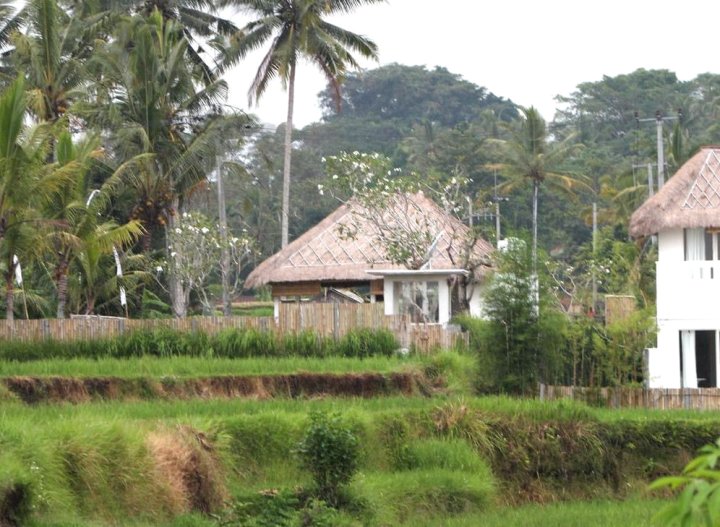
x,y
330,451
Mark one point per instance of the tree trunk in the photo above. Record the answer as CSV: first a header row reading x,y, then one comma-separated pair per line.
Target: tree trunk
x,y
535,280
175,286
90,307
62,287
536,187
10,291
285,213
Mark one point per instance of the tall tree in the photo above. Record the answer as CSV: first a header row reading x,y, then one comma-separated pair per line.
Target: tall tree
x,y
531,157
156,109
52,52
298,29
79,225
24,183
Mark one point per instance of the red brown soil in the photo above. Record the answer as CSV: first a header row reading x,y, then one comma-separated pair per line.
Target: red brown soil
x,y
33,390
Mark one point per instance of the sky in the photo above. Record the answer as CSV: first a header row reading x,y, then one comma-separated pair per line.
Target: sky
x,y
527,51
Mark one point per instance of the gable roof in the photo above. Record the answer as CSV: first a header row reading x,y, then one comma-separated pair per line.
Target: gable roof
x,y
690,198
324,253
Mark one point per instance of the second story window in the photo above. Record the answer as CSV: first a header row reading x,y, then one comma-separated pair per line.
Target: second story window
x,y
702,244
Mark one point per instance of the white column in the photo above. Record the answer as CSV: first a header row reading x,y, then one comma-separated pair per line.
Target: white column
x,y
689,372
443,302
389,296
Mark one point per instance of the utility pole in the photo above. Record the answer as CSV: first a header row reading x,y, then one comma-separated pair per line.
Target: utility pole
x,y
659,120
497,199
650,178
594,247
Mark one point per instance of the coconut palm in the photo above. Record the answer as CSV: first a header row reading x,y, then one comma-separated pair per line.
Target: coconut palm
x,y
75,212
25,182
155,108
199,23
531,157
298,29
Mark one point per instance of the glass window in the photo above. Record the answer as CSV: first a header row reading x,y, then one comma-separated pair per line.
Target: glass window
x,y
417,299
695,244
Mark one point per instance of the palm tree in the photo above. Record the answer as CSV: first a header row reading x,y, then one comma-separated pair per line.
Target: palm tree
x,y
156,110
198,22
297,29
25,183
531,157
52,52
75,211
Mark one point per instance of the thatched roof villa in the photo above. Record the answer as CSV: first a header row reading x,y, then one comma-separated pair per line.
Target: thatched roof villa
x,y
690,198
326,257
685,215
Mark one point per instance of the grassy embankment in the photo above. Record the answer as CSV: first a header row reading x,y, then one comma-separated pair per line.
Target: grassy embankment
x,y
446,459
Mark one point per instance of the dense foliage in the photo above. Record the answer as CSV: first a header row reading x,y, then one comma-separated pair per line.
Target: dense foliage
x,y
114,126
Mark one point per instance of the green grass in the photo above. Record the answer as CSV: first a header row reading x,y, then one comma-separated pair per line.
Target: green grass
x,y
201,367
201,410
423,460
631,513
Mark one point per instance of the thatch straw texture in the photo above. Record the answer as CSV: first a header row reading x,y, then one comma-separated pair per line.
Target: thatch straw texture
x,y
691,198
324,253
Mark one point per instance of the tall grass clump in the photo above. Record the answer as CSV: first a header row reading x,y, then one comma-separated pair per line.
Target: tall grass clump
x,y
305,344
89,470
229,343
367,343
404,497
16,492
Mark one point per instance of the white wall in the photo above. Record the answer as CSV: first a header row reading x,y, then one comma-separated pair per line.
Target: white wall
x,y
688,298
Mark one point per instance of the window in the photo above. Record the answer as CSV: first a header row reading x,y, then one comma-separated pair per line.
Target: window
x,y
417,299
701,244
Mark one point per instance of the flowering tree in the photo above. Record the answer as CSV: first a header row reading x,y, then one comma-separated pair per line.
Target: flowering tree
x,y
195,246
387,202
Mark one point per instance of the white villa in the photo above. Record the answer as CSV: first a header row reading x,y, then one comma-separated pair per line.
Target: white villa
x,y
685,216
325,259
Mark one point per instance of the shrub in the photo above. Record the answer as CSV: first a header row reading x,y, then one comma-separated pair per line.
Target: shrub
x,y
330,451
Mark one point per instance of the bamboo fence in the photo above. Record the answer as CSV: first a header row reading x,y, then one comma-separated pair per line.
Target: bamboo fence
x,y
628,397
327,320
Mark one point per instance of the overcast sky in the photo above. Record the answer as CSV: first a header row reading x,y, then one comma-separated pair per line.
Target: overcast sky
x,y
527,51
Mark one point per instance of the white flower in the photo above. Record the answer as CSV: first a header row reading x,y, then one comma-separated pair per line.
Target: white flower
x,y
335,176
204,230
173,254
159,269
177,230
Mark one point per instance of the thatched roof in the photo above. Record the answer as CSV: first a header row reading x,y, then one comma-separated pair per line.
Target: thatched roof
x,y
324,253
691,198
